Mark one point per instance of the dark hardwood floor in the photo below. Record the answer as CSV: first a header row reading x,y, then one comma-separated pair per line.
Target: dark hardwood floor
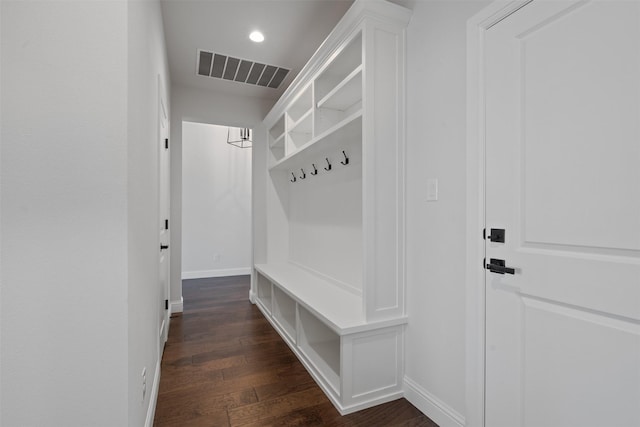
x,y
224,365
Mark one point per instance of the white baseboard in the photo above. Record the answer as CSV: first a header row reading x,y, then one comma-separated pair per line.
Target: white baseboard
x,y
176,306
164,325
153,398
431,406
215,273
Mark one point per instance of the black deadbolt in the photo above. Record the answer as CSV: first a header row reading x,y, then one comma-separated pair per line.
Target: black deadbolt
x,y
497,235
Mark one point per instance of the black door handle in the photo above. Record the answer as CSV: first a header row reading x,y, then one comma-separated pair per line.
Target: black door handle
x,y
163,246
498,266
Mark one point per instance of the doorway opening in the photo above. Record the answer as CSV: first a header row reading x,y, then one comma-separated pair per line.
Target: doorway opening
x,y
216,203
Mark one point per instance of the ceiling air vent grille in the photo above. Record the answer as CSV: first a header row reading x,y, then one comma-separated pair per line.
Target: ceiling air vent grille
x,y
240,70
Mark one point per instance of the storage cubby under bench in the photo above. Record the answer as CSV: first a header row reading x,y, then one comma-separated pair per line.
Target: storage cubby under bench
x,y
355,362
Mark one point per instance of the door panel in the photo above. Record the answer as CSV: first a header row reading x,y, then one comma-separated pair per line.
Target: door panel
x,y
563,179
562,348
577,88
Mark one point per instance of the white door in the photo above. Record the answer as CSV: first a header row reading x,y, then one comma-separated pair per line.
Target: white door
x,y
163,208
563,181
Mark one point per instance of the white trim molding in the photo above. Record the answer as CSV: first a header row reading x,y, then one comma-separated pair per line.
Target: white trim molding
x,y
475,280
153,398
431,406
176,306
203,274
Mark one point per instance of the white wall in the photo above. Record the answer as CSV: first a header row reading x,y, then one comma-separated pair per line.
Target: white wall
x,y
0,217
64,213
259,193
198,106
216,203
80,303
148,79
436,144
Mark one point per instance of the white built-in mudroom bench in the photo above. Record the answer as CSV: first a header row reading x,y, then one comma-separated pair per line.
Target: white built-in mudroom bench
x,y
332,283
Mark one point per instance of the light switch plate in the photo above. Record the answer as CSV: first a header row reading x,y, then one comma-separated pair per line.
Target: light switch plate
x,y
432,190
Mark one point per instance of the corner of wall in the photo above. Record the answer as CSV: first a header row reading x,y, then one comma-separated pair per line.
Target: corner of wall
x,y
431,406
176,306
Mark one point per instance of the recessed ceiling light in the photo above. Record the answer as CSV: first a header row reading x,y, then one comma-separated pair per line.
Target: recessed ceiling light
x,y
256,36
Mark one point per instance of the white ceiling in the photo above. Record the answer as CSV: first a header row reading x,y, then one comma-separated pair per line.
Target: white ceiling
x,y
293,30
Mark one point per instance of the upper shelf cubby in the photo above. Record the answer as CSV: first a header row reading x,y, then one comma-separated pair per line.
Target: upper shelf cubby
x,y
299,132
303,124
277,130
345,94
276,139
349,129
339,80
299,122
300,107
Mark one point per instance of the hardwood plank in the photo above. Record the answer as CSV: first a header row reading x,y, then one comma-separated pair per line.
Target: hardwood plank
x,y
277,363
218,419
192,374
389,414
225,366
261,339
198,402
302,417
264,411
181,350
298,382
421,421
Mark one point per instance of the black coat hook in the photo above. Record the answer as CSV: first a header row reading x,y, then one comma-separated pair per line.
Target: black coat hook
x,y
294,177
346,159
315,171
328,167
304,175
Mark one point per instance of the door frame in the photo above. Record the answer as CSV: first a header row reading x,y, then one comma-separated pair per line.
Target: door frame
x,y
163,111
475,215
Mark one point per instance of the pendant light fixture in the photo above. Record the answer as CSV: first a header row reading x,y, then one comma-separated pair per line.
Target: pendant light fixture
x,y
240,137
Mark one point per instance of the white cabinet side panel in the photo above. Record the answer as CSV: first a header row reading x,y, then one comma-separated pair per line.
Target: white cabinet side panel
x,y
384,154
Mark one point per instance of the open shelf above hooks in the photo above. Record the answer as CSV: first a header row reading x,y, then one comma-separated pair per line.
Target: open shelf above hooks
x,y
349,129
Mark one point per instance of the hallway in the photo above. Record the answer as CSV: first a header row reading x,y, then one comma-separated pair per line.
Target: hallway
x,y
224,365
